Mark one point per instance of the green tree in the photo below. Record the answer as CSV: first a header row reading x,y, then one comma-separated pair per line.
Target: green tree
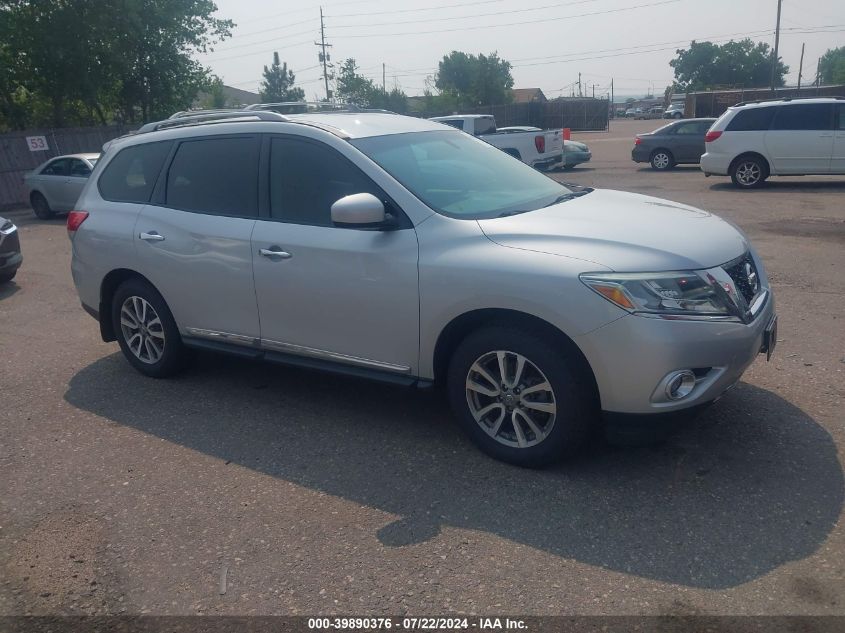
x,y
832,66
214,96
733,64
358,90
278,83
472,80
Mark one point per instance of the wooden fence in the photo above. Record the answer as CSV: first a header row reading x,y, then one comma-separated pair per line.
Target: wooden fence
x,y
714,103
576,114
16,158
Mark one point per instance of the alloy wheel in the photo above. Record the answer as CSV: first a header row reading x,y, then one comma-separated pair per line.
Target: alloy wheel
x,y
511,399
660,160
142,329
748,173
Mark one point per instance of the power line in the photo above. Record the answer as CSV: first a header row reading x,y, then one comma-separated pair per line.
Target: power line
x,y
512,24
464,17
440,6
272,39
262,52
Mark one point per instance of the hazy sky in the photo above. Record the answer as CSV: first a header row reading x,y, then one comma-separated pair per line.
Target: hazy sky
x,y
548,43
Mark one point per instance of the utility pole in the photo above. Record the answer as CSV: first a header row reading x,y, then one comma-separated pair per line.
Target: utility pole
x,y
579,84
383,82
800,68
612,100
775,53
594,91
324,56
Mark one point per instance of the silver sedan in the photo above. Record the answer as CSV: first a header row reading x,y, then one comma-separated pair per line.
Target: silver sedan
x,y
55,185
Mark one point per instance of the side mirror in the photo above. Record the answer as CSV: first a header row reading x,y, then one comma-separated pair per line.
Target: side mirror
x,y
360,210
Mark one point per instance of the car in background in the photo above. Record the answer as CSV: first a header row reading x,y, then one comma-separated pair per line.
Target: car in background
x,y
676,143
55,185
541,149
786,137
10,251
574,153
674,111
632,113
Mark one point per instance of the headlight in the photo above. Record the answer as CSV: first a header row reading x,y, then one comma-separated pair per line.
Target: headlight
x,y
684,294
7,227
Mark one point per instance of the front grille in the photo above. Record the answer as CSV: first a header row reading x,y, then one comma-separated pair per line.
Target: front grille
x,y
744,274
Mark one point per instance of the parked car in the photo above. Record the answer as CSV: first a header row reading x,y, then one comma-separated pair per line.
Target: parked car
x,y
541,149
574,153
673,144
10,250
633,113
55,185
674,111
396,248
787,137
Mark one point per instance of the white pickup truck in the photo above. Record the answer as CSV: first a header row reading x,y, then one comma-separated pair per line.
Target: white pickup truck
x,y
541,150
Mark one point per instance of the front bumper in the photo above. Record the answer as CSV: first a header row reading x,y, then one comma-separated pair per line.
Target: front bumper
x,y
631,356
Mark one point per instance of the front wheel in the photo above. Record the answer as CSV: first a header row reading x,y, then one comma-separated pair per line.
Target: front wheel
x,y
8,276
520,400
749,172
146,331
41,207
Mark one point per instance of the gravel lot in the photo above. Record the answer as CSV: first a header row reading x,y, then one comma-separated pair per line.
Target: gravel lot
x,y
319,494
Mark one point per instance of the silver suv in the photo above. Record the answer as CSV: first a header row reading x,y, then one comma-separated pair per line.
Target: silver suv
x,y
401,249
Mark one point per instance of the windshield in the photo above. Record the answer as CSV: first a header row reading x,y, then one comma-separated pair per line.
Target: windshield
x,y
460,176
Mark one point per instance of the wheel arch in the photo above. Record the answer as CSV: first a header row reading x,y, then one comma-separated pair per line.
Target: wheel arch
x,y
463,325
108,286
512,151
757,155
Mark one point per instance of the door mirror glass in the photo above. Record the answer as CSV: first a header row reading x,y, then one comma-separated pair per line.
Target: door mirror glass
x,y
361,210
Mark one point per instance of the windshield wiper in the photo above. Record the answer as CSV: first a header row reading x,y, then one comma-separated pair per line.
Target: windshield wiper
x,y
569,196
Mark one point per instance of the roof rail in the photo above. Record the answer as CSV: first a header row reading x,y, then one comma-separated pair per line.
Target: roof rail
x,y
223,116
185,113
306,107
743,103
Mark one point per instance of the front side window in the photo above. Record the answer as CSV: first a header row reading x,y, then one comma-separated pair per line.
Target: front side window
x,y
131,175
803,116
218,176
60,167
307,178
461,176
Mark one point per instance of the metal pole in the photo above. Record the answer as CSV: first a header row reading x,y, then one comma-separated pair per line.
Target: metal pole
x,y
800,68
323,45
383,82
775,53
579,84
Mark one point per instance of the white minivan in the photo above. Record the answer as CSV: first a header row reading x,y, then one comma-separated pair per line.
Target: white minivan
x,y
787,137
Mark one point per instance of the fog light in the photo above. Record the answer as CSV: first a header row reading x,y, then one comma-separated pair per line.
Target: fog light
x,y
680,385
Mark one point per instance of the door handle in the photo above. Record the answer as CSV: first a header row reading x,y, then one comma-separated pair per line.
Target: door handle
x,y
274,252
152,236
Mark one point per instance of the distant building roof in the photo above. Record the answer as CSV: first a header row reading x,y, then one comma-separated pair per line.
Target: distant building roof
x,y
240,97
527,95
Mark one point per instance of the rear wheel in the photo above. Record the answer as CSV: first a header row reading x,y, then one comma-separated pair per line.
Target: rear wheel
x,y
518,399
749,172
662,160
146,331
40,206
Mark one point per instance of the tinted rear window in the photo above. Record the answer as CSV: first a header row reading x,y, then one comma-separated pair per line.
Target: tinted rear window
x,y
484,126
217,176
132,174
751,120
803,116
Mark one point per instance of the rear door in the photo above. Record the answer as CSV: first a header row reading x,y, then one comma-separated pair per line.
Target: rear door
x,y
193,239
800,139
688,141
837,161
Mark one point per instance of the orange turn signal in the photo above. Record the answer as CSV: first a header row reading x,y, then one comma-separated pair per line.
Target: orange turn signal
x,y
615,294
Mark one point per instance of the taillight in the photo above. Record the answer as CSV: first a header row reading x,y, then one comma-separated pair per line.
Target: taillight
x,y
540,143
712,135
75,220
638,141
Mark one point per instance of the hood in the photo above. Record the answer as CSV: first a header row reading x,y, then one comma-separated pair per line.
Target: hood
x,y
625,232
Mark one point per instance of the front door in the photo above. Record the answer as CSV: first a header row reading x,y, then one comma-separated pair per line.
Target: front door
x,y
837,161
193,239
337,294
800,139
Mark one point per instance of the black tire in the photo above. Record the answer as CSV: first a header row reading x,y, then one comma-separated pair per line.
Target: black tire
x,y
677,115
662,160
7,277
569,167
41,207
174,356
569,426
749,172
